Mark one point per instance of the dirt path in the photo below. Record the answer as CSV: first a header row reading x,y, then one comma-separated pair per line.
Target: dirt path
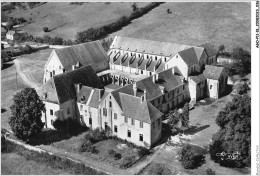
x,y
27,78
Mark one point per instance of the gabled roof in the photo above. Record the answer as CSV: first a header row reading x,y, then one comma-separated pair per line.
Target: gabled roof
x,y
64,84
198,79
91,53
189,56
147,46
199,52
168,80
134,108
213,72
210,50
152,90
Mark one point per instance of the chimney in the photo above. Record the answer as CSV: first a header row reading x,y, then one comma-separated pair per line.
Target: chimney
x,y
74,67
78,87
145,94
101,93
134,88
162,89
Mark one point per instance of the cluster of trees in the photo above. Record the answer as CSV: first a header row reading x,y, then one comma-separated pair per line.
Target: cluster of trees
x,y
27,49
45,39
241,64
234,134
92,34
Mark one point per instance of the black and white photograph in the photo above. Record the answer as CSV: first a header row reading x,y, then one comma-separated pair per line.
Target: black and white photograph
x,y
129,88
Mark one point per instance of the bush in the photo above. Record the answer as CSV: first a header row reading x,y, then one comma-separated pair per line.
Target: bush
x,y
242,88
127,162
45,29
93,149
190,159
142,151
210,172
159,169
69,126
117,156
111,152
85,146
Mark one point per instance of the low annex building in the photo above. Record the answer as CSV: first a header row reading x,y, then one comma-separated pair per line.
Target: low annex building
x,y
65,59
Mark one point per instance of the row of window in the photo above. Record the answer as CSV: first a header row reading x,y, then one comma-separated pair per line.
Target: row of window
x,y
147,56
68,111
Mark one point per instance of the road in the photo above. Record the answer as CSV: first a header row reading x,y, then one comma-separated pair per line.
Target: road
x,y
27,78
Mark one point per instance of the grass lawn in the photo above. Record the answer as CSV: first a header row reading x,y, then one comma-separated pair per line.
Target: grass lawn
x,y
33,65
65,20
194,23
72,145
15,164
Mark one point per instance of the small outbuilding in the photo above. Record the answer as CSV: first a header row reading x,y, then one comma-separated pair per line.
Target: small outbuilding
x,y
216,80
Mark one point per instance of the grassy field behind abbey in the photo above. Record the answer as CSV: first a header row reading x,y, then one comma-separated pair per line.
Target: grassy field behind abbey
x,y
190,23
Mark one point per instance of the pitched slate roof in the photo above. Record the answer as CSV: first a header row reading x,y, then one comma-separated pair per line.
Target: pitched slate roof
x,y
143,111
198,79
213,72
168,80
64,84
210,50
49,90
189,56
152,90
147,46
86,54
84,94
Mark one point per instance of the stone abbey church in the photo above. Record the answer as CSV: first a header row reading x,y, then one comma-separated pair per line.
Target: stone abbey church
x,y
129,88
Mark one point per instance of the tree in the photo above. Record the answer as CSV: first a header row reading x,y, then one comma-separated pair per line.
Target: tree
x,y
26,110
234,134
242,61
174,119
242,88
190,159
186,114
135,7
221,49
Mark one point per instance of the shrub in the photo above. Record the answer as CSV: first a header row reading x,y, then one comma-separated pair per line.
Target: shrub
x,y
117,156
190,159
127,162
242,88
85,146
210,172
159,169
45,29
142,151
93,149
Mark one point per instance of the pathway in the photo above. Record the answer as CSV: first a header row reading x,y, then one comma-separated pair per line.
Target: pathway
x,y
27,78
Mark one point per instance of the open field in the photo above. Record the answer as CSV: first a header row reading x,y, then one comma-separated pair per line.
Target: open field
x,y
193,23
65,20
